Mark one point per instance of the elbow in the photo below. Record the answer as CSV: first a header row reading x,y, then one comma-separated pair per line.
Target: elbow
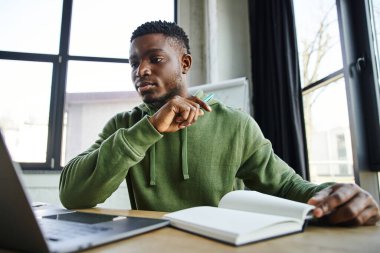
x,y
72,195
73,200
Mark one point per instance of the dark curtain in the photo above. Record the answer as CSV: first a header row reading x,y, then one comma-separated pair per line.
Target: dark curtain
x,y
277,100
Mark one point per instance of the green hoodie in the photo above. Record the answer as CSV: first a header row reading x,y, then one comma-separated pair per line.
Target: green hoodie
x,y
194,166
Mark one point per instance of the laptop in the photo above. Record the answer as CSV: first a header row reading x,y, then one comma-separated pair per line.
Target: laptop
x,y
23,229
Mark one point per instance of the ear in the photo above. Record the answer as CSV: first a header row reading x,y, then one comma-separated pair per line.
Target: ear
x,y
186,63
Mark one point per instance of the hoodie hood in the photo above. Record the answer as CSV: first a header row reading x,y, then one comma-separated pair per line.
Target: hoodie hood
x,y
148,110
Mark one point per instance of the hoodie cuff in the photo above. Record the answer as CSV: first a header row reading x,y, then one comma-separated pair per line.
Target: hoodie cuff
x,y
141,136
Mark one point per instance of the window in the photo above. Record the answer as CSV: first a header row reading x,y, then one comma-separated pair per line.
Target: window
x,y
324,93
64,71
339,56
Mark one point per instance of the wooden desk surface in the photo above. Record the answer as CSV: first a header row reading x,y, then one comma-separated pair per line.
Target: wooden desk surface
x,y
313,239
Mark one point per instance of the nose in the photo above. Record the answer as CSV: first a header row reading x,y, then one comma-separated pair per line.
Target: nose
x,y
143,69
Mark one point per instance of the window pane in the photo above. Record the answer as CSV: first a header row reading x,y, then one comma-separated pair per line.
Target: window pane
x,y
24,108
317,38
85,76
95,92
30,26
328,134
103,28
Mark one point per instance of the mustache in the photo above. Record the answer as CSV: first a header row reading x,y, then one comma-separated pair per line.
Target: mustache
x,y
140,81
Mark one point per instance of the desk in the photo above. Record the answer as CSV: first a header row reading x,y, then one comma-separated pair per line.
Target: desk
x,y
313,239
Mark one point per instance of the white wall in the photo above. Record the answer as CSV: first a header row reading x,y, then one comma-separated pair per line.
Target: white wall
x,y
234,57
219,39
191,17
44,188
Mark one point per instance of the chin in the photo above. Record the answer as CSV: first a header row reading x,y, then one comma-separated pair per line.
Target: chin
x,y
149,97
152,100
159,98
155,101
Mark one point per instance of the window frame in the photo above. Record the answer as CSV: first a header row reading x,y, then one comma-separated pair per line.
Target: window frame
x,y
361,82
53,113
58,87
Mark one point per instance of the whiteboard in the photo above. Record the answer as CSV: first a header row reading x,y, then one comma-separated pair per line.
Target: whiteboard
x,y
234,92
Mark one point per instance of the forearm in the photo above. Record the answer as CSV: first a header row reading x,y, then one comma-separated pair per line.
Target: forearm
x,y
91,177
295,188
267,173
264,171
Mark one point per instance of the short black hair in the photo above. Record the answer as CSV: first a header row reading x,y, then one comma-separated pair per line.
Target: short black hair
x,y
169,29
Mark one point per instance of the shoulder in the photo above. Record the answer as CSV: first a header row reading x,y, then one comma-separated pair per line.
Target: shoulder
x,y
231,113
236,119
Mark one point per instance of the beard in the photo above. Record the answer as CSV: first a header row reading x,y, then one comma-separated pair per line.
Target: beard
x,y
176,88
160,101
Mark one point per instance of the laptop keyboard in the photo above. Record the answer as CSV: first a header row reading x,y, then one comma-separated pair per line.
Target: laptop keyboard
x,y
67,230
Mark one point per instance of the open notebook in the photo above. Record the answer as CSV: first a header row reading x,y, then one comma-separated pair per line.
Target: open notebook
x,y
244,217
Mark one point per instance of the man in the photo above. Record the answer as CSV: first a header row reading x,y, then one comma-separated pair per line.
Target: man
x,y
180,151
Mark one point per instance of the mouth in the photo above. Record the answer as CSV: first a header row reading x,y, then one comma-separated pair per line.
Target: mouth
x,y
145,86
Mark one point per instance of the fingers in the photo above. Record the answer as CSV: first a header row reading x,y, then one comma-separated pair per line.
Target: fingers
x,y
198,112
202,104
318,201
189,111
330,198
358,211
189,115
374,216
178,113
346,204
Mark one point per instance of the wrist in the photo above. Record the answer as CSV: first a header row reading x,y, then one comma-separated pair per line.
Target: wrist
x,y
152,122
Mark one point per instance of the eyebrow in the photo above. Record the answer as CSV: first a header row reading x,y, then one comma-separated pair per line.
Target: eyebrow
x,y
150,51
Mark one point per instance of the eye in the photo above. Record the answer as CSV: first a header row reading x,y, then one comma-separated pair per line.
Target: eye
x,y
156,59
134,64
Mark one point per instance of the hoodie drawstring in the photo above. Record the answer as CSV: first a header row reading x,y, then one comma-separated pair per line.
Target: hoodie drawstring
x,y
185,167
152,158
